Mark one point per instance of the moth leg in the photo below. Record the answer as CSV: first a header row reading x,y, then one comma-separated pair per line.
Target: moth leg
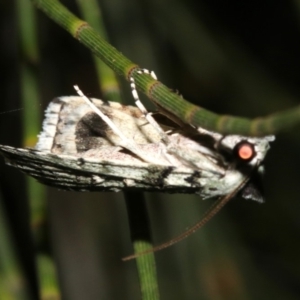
x,y
169,151
139,104
125,142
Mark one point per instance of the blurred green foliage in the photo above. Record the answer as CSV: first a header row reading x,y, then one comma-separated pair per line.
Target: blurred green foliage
x,y
239,58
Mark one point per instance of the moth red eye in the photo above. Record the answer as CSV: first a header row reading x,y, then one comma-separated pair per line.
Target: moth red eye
x,y
245,151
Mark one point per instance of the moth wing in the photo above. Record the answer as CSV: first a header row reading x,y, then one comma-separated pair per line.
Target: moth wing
x,y
75,173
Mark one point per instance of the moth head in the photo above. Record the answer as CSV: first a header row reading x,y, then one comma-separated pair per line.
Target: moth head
x,y
247,155
250,151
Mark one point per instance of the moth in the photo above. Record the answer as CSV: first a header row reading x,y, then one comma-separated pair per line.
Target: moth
x,y
94,145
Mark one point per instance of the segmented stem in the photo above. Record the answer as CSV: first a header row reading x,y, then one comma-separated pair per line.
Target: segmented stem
x,y
159,93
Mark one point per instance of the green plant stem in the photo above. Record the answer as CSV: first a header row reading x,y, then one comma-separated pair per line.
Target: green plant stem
x,y
31,126
12,280
137,211
159,93
106,77
141,239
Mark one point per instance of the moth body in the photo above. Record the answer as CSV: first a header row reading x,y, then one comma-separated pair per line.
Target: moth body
x,y
77,150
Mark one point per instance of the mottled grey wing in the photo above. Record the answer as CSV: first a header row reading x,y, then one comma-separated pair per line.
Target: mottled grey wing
x,y
78,174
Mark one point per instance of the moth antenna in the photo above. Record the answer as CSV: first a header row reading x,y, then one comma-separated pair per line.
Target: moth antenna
x,y
10,111
212,211
146,71
142,108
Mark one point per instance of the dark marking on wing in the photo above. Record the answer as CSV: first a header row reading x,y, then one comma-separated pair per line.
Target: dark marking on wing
x,y
193,179
89,131
80,161
163,175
